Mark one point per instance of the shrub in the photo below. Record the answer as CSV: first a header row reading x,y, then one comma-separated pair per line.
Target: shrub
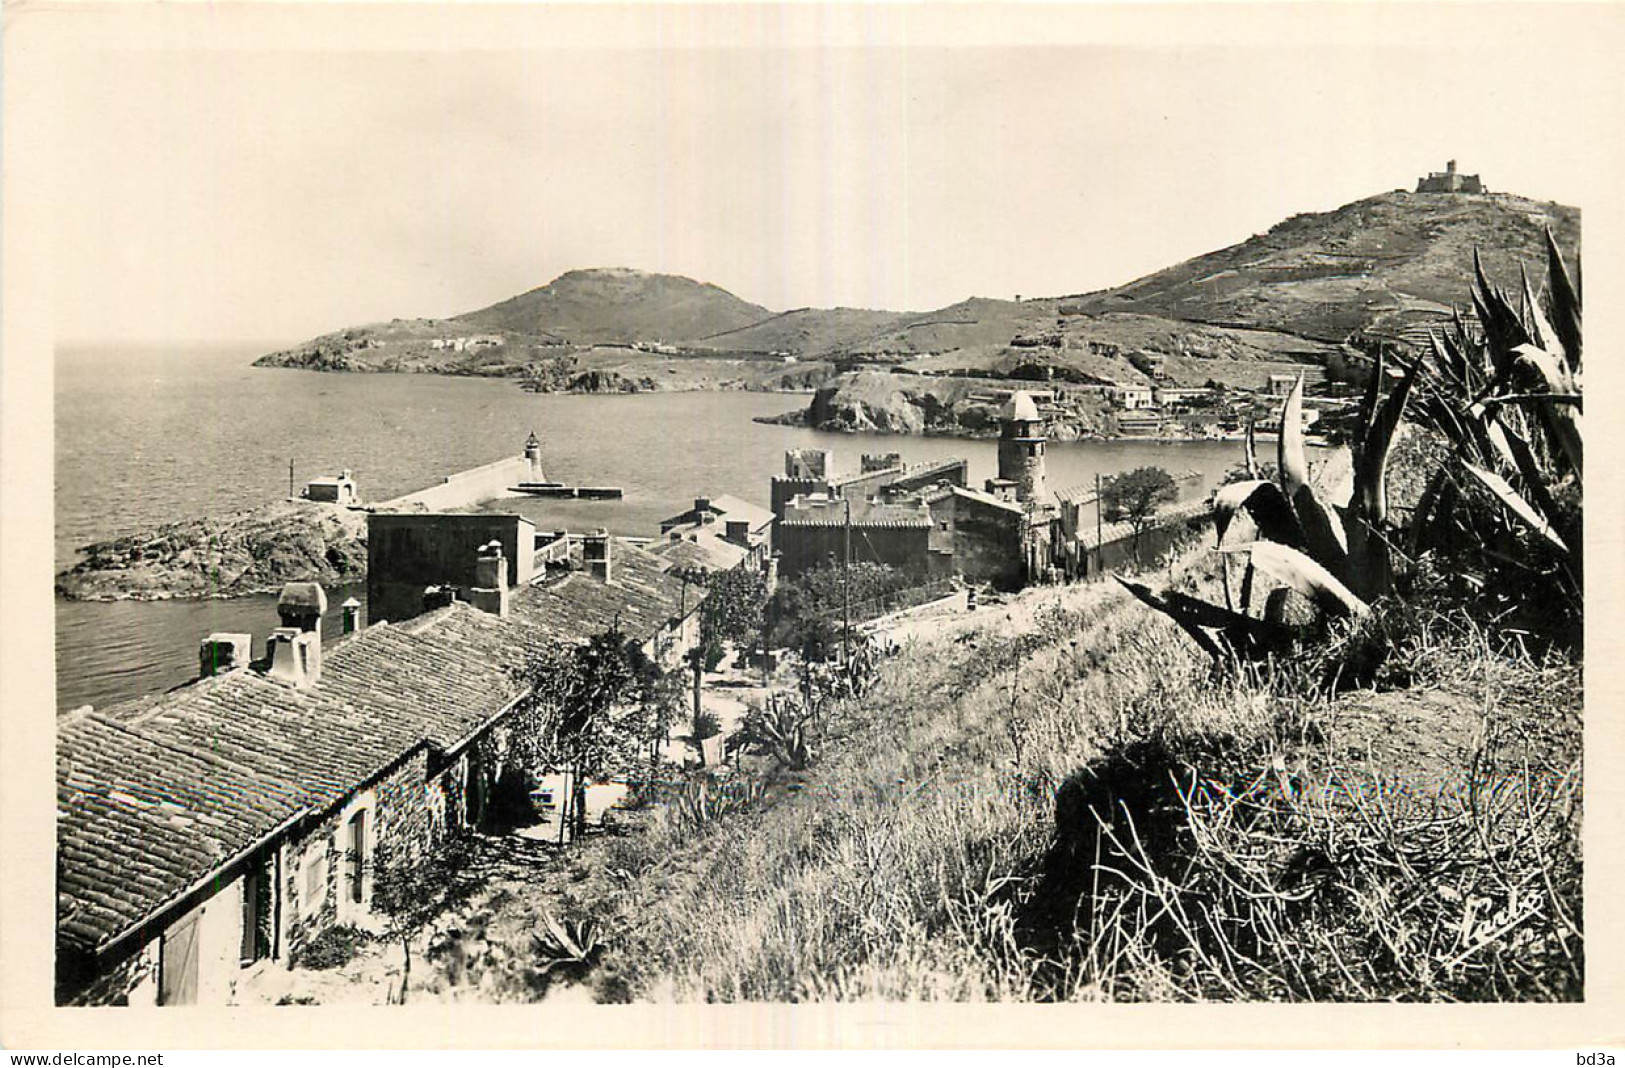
x,y
332,948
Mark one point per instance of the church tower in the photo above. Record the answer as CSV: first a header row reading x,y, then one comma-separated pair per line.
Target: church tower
x,y
1021,448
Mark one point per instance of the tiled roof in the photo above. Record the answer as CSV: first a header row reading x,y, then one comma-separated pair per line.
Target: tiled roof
x,y
702,549
728,507
139,822
641,594
733,507
986,498
864,514
155,794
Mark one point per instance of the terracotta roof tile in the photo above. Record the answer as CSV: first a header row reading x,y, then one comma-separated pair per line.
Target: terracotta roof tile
x,y
155,794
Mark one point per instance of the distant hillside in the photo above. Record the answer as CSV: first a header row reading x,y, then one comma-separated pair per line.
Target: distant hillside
x,y
1383,265
619,305
807,331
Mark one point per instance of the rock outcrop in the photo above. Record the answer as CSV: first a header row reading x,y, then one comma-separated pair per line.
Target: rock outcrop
x,y
253,551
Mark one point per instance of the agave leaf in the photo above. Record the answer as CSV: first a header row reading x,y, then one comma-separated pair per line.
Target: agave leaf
x,y
1324,537
1290,458
1516,504
1565,303
1516,453
1541,332
1297,570
1371,461
1263,500
1212,627
1561,421
1197,634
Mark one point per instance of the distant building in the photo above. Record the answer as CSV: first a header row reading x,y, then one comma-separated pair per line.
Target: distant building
x,y
1132,398
1450,181
726,528
333,489
1280,385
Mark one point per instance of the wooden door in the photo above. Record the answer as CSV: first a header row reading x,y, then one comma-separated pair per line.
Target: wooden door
x,y
177,963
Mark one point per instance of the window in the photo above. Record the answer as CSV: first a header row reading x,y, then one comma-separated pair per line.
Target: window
x,y
356,854
315,879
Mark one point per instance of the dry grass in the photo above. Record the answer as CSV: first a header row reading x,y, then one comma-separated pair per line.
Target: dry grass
x,y
1219,840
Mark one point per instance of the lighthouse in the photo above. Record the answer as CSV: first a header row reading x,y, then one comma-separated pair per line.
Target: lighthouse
x,y
533,458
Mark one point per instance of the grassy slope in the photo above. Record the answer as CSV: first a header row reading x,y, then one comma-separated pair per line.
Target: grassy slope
x,y
1381,263
911,861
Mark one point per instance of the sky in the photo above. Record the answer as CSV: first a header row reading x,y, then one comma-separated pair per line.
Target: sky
x,y
221,187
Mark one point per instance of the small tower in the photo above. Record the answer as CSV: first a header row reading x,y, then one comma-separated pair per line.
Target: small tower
x,y
1021,448
533,458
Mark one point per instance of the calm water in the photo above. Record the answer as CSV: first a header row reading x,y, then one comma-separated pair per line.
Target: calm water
x,y
153,436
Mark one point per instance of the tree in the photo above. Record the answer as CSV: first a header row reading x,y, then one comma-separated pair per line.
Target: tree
x,y
1134,497
734,607
589,710
410,888
807,611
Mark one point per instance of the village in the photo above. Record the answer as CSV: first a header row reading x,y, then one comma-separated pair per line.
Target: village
x,y
213,836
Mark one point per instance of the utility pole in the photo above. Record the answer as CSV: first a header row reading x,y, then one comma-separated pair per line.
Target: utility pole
x,y
1100,555
846,592
290,476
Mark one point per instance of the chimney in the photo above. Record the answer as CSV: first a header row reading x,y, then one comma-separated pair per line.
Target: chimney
x,y
1450,168
296,656
702,505
352,615
300,607
438,597
490,591
596,553
221,652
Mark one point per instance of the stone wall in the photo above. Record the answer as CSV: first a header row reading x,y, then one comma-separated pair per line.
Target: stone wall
x,y
803,547
985,539
314,859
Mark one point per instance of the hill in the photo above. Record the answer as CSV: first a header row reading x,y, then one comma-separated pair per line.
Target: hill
x,y
617,304
1381,266
1385,267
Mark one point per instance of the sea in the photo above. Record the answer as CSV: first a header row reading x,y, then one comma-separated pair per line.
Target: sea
x,y
148,436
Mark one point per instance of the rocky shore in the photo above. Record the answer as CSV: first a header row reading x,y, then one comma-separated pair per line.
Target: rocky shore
x,y
253,551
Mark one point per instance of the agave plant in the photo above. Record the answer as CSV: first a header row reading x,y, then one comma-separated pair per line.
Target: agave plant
x,y
1507,396
1334,556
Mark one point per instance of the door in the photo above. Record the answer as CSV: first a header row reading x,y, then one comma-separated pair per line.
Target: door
x,y
258,919
177,963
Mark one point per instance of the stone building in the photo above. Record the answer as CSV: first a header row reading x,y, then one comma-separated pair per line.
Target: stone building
x,y
333,489
728,531
810,473
1450,180
212,832
1021,448
815,532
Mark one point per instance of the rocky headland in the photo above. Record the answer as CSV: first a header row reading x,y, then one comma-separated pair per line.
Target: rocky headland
x,y
252,551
